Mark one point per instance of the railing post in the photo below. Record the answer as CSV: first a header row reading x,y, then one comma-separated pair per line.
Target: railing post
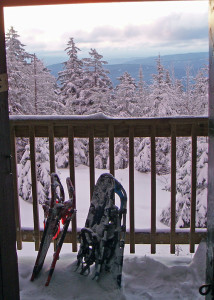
x,y
111,149
173,188
72,176
15,186
210,199
9,280
51,149
52,158
193,190
91,161
153,190
34,187
131,189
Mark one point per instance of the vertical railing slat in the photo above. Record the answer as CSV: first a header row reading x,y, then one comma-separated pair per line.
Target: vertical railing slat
x,y
153,190
91,161
131,190
52,159
51,149
111,149
15,186
34,188
193,189
72,176
173,188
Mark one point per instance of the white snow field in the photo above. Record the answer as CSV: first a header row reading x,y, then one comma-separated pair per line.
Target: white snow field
x,y
145,276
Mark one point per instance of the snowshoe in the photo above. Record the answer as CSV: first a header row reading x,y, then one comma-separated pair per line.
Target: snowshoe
x,y
55,210
102,240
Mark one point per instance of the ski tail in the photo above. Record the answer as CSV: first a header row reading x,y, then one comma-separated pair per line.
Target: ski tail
x,y
67,213
43,249
55,210
58,249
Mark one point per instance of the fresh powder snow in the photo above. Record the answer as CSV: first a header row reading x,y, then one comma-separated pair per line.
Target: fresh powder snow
x,y
145,276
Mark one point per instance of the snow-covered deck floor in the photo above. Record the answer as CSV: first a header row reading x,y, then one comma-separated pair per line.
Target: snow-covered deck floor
x,y
145,277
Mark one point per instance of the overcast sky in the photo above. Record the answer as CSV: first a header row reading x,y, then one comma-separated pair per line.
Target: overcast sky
x,y
113,29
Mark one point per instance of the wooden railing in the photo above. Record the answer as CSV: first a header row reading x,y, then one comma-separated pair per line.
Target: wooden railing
x,y
100,126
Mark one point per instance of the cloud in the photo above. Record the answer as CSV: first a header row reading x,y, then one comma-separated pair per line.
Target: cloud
x,y
175,28
179,31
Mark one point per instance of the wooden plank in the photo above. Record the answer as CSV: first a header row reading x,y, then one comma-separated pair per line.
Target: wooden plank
x,y
131,190
173,189
9,3
72,176
91,161
51,149
34,188
111,149
141,237
193,189
15,186
52,158
153,190
101,126
9,280
210,199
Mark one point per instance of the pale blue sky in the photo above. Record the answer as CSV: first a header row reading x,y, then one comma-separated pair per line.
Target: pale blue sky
x,y
115,29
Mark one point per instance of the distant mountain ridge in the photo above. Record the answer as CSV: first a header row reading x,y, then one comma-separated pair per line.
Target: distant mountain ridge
x,y
176,62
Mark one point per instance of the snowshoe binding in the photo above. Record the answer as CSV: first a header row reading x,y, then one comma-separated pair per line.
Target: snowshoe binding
x,y
55,210
102,240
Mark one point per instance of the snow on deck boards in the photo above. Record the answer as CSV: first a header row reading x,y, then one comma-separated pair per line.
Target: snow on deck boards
x,y
147,277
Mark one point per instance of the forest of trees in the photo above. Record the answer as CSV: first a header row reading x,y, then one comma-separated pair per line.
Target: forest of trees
x,y
83,87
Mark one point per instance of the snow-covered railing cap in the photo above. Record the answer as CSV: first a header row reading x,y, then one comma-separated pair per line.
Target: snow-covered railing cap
x,y
96,116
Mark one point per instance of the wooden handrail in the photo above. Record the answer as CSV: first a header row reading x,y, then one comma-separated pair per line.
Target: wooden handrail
x,y
101,124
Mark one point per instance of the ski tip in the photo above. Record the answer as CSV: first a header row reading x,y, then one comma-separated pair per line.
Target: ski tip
x,y
119,278
47,283
32,278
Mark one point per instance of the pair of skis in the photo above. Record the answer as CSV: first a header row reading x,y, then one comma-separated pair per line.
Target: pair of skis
x,y
55,210
102,240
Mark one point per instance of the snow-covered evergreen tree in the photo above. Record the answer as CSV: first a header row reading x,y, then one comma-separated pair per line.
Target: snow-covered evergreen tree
x,y
187,104
183,185
44,99
43,169
143,155
159,92
125,93
71,80
121,151
24,176
101,153
142,93
62,152
97,87
200,92
18,68
178,96
42,172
